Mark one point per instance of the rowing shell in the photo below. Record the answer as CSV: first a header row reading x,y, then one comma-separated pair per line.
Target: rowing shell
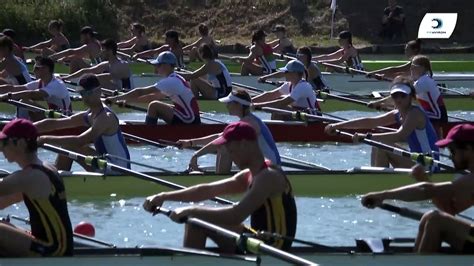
x,y
282,131
168,256
88,187
340,81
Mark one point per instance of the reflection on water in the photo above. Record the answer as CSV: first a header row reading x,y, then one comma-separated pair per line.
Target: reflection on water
x,y
331,221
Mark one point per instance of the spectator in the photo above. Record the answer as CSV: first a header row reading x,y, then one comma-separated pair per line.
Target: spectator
x,y
393,21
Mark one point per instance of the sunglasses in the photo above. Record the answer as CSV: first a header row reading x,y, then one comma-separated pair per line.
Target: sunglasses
x,y
397,95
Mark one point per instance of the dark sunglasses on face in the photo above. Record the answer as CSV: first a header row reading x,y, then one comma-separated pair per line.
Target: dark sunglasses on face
x,y
398,95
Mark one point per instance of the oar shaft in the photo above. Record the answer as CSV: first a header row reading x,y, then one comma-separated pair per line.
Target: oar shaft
x,y
405,212
251,244
103,164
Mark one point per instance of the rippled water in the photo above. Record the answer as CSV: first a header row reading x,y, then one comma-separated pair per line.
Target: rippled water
x,y
332,221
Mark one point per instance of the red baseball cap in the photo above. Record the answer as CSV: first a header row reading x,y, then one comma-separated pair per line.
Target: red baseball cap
x,y
459,133
20,129
236,131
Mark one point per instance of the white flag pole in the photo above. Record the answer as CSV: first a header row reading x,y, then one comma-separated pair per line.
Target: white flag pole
x,y
333,8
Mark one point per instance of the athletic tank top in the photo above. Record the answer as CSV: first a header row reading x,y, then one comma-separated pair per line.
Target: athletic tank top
x,y
318,83
49,217
266,142
24,76
277,215
430,98
113,144
267,60
124,83
422,140
222,82
354,62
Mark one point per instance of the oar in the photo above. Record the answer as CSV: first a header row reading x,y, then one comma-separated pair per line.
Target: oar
x,y
298,115
139,164
250,244
270,235
417,157
83,237
412,214
351,100
104,165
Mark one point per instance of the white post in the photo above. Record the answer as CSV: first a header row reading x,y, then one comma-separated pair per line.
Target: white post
x,y
333,8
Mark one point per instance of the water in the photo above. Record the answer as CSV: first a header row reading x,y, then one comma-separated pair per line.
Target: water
x,y
330,221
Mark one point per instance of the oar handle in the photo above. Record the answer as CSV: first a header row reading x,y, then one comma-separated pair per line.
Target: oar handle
x,y
402,211
161,210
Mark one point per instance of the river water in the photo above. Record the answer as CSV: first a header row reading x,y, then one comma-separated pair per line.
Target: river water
x,y
331,221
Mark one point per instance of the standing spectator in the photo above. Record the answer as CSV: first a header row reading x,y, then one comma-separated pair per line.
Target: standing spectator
x,y
393,21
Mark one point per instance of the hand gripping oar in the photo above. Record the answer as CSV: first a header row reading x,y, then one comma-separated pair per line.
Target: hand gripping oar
x,y
412,214
83,237
416,157
102,164
250,244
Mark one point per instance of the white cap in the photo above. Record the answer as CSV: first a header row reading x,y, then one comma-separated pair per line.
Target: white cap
x,y
232,98
400,88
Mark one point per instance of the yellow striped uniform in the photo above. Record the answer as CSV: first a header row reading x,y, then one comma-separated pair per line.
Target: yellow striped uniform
x,y
277,215
49,218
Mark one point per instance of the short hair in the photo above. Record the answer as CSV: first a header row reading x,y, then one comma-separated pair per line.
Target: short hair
x,y
88,30
415,45
172,34
206,52
56,24
306,51
110,44
7,42
10,33
424,61
258,35
203,29
140,27
45,61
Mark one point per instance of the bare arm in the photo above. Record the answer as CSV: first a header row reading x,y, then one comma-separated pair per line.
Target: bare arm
x,y
393,70
127,43
335,55
152,52
80,51
29,94
267,96
409,125
278,103
41,45
97,69
367,122
203,70
194,44
49,124
134,94
277,74
12,88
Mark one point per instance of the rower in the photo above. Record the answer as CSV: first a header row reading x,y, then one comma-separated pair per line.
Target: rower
x,y
14,70
39,186
113,73
282,44
84,56
172,44
312,73
193,48
57,43
415,127
185,109
17,49
218,83
427,93
139,41
348,54
268,197
261,60
238,103
46,87
412,48
441,226
102,124
295,94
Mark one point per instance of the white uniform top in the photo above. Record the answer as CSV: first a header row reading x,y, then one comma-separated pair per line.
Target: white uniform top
x,y
302,94
178,90
58,95
429,96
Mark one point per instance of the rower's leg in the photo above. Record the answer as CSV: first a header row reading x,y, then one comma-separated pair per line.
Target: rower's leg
x,y
251,69
77,64
440,226
204,88
195,237
14,242
157,109
105,80
223,161
65,163
399,161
